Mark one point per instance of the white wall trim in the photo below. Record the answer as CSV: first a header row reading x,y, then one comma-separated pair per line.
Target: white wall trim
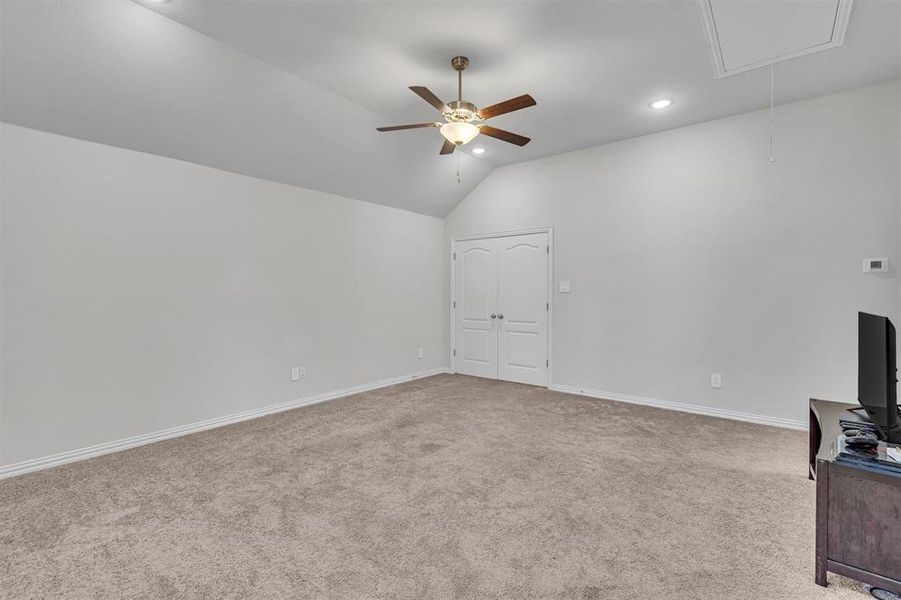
x,y
62,458
497,234
683,407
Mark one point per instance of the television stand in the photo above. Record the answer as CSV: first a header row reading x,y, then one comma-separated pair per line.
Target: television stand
x,y
858,520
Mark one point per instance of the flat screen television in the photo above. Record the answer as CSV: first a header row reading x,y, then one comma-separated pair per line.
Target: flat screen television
x,y
877,373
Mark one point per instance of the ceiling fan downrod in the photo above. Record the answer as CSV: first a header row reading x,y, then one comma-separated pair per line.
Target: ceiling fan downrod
x,y
459,63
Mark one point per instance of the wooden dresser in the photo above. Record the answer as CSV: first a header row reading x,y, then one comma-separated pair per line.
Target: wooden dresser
x,y
858,521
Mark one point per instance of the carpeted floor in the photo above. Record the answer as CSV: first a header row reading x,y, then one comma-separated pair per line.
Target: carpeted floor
x,y
447,487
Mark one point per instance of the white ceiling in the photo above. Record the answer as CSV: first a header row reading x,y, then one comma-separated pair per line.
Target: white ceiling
x,y
592,67
116,73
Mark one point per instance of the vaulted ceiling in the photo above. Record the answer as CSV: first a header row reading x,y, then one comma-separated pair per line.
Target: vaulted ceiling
x,y
293,91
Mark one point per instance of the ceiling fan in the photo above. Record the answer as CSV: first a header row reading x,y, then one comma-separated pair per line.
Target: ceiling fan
x,y
462,120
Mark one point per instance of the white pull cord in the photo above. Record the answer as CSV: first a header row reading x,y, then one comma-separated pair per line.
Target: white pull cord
x,y
772,110
459,180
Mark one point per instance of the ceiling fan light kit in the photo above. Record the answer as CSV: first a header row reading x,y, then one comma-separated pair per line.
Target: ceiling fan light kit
x,y
459,133
463,121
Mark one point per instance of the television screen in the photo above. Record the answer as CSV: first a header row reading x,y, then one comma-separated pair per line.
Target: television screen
x,y
876,372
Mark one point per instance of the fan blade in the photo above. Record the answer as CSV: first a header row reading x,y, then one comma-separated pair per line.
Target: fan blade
x,y
448,147
427,95
502,108
507,136
399,127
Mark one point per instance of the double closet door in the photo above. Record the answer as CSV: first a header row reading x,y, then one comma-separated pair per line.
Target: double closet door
x,y
501,310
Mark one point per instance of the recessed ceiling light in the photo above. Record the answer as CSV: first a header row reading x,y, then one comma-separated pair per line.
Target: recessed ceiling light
x,y
478,151
662,103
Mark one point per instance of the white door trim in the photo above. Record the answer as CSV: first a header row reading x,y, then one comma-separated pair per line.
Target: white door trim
x,y
550,286
495,234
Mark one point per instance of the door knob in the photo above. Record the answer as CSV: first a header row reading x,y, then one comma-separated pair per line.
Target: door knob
x,y
493,316
500,316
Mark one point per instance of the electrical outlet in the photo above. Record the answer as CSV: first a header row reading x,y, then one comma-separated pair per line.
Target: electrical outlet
x,y
295,373
303,372
716,380
420,353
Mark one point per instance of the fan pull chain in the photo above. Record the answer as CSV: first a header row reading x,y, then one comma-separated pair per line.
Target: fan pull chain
x,y
772,110
459,180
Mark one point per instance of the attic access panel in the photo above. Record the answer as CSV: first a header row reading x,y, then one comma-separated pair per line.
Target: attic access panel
x,y
748,35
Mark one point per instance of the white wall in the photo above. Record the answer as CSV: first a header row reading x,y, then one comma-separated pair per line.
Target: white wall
x,y
689,253
898,173
141,293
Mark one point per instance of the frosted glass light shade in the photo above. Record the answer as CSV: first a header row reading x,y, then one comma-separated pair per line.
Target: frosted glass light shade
x,y
459,133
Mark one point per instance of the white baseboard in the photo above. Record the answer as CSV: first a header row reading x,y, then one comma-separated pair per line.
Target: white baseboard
x,y
682,407
62,458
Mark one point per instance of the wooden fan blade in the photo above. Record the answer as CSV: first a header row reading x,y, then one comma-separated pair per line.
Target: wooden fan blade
x,y
427,95
507,136
448,147
506,106
399,127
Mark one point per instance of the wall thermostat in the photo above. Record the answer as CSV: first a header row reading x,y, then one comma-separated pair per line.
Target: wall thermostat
x,y
875,265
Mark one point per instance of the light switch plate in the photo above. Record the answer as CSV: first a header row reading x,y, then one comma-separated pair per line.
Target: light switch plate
x,y
716,380
564,286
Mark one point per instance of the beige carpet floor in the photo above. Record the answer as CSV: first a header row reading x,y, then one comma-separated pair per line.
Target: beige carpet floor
x,y
447,487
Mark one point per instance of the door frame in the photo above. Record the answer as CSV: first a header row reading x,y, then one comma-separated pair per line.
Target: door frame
x,y
550,287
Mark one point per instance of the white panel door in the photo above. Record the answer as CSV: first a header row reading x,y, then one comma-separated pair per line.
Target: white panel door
x,y
522,308
501,311
475,333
